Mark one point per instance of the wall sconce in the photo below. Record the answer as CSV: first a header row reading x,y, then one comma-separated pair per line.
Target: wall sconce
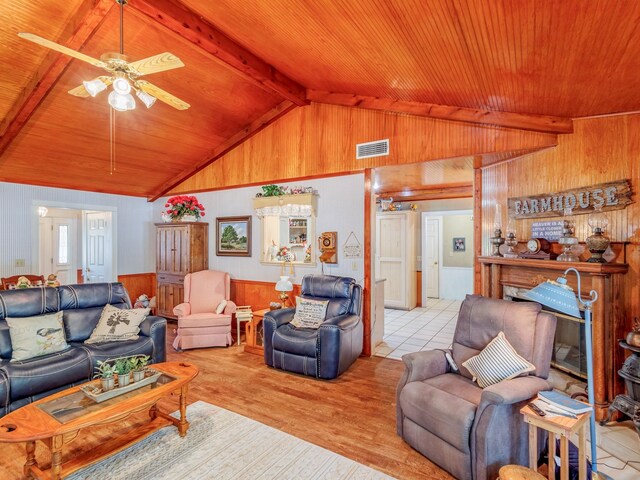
x,y
42,211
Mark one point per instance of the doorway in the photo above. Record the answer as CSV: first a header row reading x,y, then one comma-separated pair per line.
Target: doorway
x,y
59,244
447,255
74,244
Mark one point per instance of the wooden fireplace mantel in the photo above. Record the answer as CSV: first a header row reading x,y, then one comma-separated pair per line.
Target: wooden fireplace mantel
x,y
608,311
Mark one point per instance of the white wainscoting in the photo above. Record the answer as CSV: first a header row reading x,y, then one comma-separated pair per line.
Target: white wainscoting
x,y
455,282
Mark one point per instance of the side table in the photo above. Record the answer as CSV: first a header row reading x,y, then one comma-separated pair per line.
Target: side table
x,y
253,333
564,427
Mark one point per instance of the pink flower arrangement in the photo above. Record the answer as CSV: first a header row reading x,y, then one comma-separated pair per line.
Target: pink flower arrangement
x,y
184,205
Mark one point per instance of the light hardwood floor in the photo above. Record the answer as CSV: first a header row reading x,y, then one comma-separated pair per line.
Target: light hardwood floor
x,y
353,415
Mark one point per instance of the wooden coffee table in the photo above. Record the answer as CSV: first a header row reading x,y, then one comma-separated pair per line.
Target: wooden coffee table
x,y
57,419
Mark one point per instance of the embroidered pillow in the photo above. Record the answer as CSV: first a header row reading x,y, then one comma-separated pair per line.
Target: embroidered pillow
x,y
309,313
221,306
36,336
117,324
498,361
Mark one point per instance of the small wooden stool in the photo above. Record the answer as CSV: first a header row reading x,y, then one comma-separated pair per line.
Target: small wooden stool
x,y
564,427
518,472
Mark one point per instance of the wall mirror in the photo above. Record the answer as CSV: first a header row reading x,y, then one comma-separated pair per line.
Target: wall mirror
x,y
287,229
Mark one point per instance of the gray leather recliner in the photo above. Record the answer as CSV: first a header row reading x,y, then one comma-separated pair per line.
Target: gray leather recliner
x,y
325,352
469,431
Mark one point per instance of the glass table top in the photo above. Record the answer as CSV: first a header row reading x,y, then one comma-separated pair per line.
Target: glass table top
x,y
77,404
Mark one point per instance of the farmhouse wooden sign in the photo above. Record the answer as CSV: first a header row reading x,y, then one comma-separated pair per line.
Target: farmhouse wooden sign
x,y
609,196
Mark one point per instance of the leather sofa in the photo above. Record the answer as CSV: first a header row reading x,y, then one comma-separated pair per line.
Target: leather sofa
x,y
328,351
25,381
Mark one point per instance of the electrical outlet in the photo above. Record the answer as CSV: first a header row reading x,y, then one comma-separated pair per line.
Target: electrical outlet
x,y
20,262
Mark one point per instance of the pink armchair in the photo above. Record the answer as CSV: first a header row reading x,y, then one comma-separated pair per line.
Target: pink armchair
x,y
198,323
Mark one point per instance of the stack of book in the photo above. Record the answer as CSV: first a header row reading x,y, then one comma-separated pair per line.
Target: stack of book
x,y
244,313
556,403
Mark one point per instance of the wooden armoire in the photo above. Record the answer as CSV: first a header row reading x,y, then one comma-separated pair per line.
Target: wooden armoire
x,y
181,248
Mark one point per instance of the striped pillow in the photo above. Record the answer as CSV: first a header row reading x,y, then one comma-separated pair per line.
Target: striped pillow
x,y
498,361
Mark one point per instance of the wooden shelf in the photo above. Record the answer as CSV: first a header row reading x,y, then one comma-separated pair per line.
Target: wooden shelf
x,y
602,268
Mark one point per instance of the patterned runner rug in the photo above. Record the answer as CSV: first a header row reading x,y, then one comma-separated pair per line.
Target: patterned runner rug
x,y
224,445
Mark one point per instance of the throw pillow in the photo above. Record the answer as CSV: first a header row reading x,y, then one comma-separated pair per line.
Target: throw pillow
x,y
498,361
117,324
221,306
309,313
36,336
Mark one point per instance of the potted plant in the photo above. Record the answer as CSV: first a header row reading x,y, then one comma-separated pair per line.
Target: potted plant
x,y
138,366
105,372
185,208
122,367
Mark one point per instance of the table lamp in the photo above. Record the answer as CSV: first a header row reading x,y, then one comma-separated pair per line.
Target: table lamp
x,y
283,286
561,297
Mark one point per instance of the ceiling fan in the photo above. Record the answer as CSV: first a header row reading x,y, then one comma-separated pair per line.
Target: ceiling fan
x,y
122,74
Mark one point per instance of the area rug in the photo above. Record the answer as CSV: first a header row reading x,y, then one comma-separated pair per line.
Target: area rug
x,y
224,445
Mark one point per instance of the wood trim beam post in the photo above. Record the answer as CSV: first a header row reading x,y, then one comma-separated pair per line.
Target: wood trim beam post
x,y
228,145
477,230
215,43
538,123
87,19
369,294
434,192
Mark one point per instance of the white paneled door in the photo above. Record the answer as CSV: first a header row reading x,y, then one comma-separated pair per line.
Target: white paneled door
x,y
395,258
431,255
99,234
58,247
390,261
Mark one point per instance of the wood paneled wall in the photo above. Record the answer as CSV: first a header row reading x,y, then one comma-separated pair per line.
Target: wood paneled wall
x,y
599,150
319,140
258,294
139,283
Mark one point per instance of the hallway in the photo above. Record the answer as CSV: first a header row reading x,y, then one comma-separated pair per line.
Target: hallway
x,y
423,328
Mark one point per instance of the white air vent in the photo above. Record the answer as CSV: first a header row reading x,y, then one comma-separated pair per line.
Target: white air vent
x,y
379,148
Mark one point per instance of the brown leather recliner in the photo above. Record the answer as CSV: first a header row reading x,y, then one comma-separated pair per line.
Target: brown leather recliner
x,y
469,431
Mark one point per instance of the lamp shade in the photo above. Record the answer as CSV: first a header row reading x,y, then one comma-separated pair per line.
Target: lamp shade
x,y
121,103
94,87
147,99
284,284
557,295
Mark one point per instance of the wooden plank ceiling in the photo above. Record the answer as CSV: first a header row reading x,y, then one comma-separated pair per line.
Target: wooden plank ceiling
x,y
519,63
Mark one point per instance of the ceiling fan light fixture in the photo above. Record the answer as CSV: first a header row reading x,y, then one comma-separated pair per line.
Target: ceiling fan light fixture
x,y
121,86
145,98
94,87
120,102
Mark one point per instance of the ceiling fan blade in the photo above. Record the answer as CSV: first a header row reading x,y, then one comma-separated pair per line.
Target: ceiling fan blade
x,y
80,91
161,95
157,63
61,48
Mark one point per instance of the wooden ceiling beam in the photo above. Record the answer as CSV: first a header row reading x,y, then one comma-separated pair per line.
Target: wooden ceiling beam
x,y
87,18
538,123
228,145
209,39
435,192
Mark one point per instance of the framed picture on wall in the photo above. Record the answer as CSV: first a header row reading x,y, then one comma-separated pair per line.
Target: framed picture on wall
x,y
459,244
233,236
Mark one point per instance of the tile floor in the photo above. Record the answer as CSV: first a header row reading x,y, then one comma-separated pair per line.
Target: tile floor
x,y
423,328
432,326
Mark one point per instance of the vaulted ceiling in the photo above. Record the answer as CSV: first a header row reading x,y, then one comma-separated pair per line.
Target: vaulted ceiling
x,y
528,64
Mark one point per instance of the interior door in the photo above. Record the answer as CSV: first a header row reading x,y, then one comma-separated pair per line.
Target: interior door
x,y
431,255
65,248
391,258
99,247
45,244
